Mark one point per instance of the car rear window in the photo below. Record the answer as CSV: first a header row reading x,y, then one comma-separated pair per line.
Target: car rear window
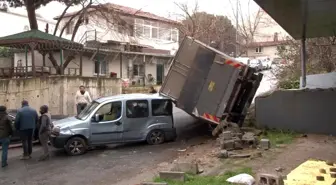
x,y
161,108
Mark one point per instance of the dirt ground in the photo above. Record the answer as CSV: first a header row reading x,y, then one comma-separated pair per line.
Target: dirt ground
x,y
280,159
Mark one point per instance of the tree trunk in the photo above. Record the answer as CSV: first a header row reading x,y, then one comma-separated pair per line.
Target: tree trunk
x,y
31,14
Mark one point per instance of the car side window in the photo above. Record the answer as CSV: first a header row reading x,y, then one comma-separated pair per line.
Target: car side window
x,y
162,107
137,108
109,112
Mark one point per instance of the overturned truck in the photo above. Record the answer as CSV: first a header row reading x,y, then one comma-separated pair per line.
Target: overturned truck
x,y
210,85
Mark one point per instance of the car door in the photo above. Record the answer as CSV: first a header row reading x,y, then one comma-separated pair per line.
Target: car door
x,y
106,125
136,120
162,112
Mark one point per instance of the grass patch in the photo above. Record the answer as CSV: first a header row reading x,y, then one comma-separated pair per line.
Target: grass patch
x,y
207,180
277,137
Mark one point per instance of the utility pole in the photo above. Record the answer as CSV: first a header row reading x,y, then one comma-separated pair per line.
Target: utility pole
x,y
237,49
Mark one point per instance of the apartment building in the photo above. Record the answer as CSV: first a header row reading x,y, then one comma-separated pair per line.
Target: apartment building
x,y
115,27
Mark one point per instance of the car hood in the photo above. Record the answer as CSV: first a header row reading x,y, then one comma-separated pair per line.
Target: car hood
x,y
67,122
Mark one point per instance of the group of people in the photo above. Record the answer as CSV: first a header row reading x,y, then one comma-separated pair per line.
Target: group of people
x,y
26,122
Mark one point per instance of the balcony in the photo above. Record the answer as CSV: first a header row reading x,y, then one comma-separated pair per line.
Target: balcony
x,y
27,71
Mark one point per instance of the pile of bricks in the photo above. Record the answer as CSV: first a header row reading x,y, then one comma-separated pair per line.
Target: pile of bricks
x,y
232,138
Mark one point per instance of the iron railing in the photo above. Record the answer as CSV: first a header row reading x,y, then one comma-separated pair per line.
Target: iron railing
x,y
27,71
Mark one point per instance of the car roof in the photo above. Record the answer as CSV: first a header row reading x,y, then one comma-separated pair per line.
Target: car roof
x,y
130,97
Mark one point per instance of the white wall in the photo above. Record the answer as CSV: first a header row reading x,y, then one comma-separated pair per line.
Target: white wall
x,y
268,51
12,23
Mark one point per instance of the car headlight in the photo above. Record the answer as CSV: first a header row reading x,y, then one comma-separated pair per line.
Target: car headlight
x,y
66,131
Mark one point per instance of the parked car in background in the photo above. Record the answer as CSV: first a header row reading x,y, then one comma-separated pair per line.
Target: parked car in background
x,y
122,118
256,64
16,136
244,60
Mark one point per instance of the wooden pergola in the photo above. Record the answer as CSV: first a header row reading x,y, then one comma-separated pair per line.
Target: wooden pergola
x,y
40,41
303,19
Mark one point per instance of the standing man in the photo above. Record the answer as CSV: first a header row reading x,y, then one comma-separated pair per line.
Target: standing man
x,y
82,99
25,122
44,131
5,132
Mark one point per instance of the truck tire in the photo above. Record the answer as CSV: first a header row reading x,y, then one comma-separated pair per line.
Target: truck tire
x,y
76,146
155,137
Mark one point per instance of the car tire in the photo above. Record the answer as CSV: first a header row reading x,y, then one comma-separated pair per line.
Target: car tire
x,y
155,137
76,146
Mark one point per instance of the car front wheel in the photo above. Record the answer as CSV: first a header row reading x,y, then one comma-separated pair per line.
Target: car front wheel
x,y
76,146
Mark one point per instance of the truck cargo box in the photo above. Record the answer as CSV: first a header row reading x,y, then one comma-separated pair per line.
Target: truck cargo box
x,y
206,83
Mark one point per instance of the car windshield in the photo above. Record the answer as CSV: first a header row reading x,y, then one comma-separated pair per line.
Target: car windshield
x,y
88,110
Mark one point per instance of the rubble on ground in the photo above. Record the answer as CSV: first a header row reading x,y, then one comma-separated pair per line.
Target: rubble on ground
x,y
233,138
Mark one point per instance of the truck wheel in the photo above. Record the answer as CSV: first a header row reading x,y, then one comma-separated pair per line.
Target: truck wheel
x,y
76,146
155,137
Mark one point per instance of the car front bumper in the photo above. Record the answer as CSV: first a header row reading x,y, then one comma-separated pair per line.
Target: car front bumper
x,y
59,141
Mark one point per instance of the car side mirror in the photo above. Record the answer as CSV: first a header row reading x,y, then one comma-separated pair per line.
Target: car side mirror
x,y
95,118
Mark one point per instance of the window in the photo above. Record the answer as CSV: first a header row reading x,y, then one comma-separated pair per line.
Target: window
x,y
138,69
259,49
174,35
87,110
137,108
162,107
69,28
100,67
109,112
139,30
155,33
147,31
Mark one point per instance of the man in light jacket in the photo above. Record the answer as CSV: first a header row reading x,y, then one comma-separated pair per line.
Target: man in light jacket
x,y
25,122
82,99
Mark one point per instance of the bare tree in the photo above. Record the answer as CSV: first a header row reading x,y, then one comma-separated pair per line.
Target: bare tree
x,y
321,57
208,28
249,23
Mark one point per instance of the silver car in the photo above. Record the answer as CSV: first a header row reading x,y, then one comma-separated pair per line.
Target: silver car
x,y
116,119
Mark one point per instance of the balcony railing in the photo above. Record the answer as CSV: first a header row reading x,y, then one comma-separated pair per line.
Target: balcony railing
x,y
27,71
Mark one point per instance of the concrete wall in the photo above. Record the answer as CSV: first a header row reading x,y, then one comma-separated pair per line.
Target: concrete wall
x,y
327,80
57,92
306,111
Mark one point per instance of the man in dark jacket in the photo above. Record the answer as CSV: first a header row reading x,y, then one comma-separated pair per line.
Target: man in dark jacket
x,y
5,132
25,122
44,131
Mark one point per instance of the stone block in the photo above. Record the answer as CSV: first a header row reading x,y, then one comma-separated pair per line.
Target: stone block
x,y
227,145
238,145
171,175
265,144
154,183
223,154
226,135
186,167
269,179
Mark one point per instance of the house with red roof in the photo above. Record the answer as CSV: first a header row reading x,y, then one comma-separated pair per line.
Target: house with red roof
x,y
121,26
130,43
